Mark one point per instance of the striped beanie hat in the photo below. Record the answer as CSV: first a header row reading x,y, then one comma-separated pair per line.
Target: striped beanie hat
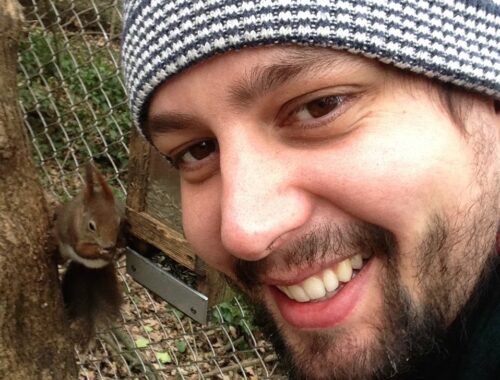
x,y
455,41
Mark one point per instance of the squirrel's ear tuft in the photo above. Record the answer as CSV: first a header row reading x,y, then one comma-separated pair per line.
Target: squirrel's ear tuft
x,y
106,189
89,182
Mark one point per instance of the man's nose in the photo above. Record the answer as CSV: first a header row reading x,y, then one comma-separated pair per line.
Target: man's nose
x,y
262,200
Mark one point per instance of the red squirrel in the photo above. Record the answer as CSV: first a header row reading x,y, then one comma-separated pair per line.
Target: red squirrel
x,y
88,231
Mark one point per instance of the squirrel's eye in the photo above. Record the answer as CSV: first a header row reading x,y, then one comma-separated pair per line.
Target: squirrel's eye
x,y
91,225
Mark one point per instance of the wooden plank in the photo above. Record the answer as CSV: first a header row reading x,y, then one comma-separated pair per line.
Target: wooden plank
x,y
138,167
171,242
210,282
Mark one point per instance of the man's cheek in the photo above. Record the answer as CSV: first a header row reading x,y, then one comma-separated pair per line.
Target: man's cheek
x,y
394,200
394,180
201,221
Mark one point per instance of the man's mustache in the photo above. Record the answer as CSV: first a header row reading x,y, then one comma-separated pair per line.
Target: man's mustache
x,y
326,241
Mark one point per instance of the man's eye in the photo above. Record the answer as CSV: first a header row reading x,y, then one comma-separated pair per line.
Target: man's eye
x,y
194,153
318,108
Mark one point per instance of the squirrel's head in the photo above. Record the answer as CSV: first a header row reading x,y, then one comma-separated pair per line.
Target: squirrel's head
x,y
101,216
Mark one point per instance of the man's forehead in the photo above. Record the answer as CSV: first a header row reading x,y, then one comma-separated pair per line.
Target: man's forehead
x,y
241,77
249,72
281,64
252,59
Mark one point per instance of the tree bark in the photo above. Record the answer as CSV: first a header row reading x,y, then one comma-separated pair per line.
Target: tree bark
x,y
34,333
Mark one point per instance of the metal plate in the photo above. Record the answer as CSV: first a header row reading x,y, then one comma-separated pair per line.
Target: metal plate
x,y
189,301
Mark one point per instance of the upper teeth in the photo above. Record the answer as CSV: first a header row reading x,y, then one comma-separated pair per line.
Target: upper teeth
x,y
324,283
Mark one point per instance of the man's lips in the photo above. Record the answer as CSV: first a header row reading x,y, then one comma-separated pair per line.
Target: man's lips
x,y
324,299
323,283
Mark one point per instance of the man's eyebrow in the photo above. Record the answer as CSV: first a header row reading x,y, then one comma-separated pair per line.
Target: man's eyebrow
x,y
165,122
290,64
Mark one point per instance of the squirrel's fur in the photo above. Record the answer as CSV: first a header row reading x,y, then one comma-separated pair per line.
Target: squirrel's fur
x,y
88,231
92,297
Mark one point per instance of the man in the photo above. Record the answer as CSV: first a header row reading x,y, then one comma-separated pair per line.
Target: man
x,y
339,162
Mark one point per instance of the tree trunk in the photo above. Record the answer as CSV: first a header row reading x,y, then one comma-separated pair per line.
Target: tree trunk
x,y
34,334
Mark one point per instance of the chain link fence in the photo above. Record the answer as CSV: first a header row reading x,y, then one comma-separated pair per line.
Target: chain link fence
x,y
75,110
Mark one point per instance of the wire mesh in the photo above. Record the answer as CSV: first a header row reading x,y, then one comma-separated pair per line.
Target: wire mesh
x,y
75,110
71,92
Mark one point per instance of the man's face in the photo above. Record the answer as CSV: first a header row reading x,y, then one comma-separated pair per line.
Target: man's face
x,y
338,194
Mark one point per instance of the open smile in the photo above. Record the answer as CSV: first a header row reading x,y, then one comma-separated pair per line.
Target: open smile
x,y
325,298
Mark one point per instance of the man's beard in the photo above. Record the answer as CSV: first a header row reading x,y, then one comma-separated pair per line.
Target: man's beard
x,y
407,330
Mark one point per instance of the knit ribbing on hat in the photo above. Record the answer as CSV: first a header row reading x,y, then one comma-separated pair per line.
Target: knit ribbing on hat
x,y
454,41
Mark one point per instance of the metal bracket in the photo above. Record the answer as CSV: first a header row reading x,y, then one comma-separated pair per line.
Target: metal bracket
x,y
168,287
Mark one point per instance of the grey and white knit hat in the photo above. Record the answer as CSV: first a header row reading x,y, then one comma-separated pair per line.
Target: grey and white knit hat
x,y
454,41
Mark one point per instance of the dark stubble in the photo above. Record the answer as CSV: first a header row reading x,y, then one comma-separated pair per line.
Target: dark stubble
x,y
407,332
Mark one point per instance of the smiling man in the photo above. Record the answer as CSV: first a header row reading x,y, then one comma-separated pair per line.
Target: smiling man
x,y
339,162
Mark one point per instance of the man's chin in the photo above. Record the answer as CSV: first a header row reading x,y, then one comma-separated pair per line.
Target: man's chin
x,y
345,351
335,353
373,346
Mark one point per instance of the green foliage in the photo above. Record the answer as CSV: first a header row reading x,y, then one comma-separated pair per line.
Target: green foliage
x,y
141,342
73,99
238,314
181,346
163,357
